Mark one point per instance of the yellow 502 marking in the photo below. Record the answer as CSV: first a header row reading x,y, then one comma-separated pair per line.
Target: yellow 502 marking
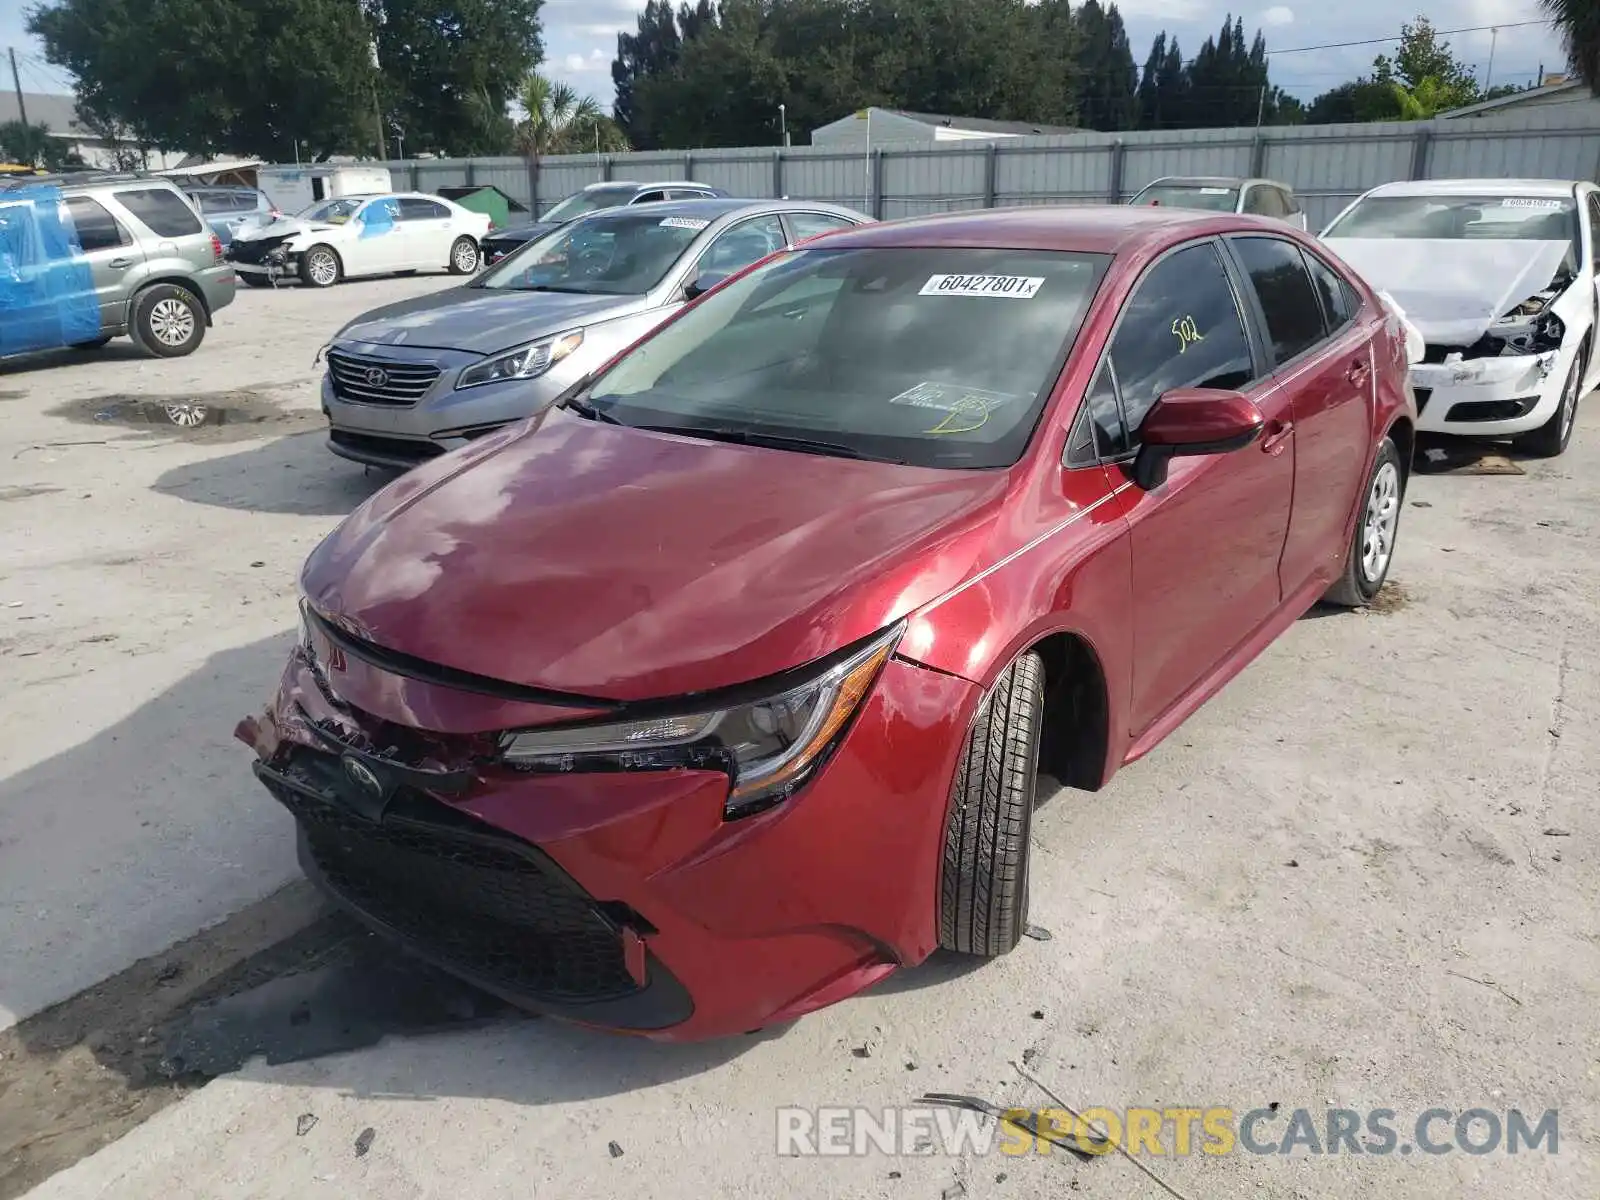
x,y
1187,333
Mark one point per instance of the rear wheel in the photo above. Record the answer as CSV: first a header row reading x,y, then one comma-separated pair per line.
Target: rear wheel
x,y
1372,548
463,256
320,267
168,321
1553,437
983,889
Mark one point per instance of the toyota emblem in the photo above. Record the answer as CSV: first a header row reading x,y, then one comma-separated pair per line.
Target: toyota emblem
x,y
377,377
362,776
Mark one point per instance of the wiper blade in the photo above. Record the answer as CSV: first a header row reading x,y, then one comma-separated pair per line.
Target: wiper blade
x,y
584,409
775,441
550,287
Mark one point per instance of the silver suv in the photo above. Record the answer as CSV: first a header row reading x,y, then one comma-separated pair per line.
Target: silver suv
x,y
88,257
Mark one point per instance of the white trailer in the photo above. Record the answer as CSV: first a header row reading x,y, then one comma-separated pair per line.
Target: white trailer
x,y
295,188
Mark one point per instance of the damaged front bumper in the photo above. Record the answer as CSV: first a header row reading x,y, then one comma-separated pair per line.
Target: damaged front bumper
x,y
1489,397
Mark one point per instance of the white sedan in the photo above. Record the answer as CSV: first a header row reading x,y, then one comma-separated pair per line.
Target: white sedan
x,y
361,235
1499,277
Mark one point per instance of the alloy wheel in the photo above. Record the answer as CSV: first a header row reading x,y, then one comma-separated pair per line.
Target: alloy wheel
x,y
1569,400
323,269
466,257
1378,526
171,322
189,416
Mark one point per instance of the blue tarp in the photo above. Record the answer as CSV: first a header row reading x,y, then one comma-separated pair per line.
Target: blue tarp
x,y
378,218
47,296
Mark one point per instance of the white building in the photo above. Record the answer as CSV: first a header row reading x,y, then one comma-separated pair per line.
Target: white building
x,y
60,115
890,126
1570,95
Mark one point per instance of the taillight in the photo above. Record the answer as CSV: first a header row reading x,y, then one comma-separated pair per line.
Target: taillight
x,y
216,248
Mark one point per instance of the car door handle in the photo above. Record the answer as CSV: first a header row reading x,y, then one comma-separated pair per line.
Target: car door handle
x,y
1277,436
120,263
1357,374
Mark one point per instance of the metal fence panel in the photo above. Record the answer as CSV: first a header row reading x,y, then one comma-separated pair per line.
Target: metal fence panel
x,y
1327,165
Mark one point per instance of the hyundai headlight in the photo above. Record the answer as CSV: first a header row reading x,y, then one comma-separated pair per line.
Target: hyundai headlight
x,y
769,746
525,362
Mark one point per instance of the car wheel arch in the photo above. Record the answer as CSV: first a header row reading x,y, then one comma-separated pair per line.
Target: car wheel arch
x,y
181,281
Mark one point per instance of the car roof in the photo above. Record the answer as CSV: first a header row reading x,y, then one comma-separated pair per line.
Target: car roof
x,y
1231,181
1477,187
1084,228
622,184
716,207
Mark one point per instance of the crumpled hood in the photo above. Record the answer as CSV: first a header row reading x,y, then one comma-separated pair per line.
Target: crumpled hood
x,y
611,562
483,320
1453,290
283,227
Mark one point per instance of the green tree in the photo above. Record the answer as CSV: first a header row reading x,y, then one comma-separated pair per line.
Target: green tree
x,y
32,146
1579,24
1355,102
256,75
1423,56
559,121
1108,81
451,68
651,51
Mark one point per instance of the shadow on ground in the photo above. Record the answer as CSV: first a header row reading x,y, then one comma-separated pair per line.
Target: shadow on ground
x,y
116,350
294,474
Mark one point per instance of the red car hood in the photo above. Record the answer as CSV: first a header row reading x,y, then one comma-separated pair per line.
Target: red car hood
x,y
616,563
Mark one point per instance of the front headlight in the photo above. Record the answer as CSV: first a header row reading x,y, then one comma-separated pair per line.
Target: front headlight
x,y
769,746
1531,307
525,362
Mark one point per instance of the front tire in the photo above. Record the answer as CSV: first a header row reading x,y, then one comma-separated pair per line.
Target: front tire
x,y
463,256
1371,549
168,321
1553,437
320,267
983,887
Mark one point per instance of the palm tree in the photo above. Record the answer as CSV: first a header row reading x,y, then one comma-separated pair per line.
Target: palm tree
x,y
1579,24
559,121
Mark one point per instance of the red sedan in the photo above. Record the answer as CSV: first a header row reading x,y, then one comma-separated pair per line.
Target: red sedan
x,y
718,691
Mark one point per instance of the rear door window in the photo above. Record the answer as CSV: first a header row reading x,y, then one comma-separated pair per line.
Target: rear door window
x,y
97,229
413,208
810,224
1332,291
160,210
651,197
1180,328
1288,299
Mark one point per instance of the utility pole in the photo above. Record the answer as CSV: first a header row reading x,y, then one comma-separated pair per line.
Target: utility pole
x,y
1488,75
16,83
377,115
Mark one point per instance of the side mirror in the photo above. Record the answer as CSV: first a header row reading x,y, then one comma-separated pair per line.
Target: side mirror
x,y
1187,422
703,283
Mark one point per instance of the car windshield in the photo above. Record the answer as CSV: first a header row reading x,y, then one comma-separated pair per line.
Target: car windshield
x,y
590,201
935,357
334,212
621,253
1212,197
1460,218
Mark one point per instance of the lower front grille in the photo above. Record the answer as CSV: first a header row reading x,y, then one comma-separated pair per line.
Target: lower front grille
x,y
473,899
402,452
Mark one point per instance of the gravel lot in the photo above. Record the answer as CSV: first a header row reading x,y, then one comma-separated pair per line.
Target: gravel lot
x,y
1365,876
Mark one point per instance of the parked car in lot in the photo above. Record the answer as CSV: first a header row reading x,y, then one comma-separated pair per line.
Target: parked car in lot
x,y
593,198
91,256
1259,197
1499,276
229,209
361,235
717,692
408,381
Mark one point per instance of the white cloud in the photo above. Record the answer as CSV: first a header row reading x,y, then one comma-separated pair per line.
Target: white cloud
x,y
577,64
1278,14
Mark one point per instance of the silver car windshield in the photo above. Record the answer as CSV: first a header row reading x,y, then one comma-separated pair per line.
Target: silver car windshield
x,y
1464,218
1190,195
939,357
622,253
589,201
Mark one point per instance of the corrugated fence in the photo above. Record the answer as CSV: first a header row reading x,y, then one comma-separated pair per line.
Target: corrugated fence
x,y
1327,165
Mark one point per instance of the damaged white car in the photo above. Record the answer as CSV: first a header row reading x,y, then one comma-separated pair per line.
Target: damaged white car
x,y
1499,276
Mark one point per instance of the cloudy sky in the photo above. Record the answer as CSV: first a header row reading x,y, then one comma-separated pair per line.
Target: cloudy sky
x,y
580,37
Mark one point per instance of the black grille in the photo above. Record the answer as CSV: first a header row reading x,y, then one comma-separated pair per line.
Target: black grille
x,y
460,892
1423,395
379,380
401,451
253,252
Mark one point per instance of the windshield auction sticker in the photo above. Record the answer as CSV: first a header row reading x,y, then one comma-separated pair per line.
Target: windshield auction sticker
x,y
1530,202
952,397
1003,287
684,223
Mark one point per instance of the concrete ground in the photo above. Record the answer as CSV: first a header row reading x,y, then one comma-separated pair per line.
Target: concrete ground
x,y
1365,876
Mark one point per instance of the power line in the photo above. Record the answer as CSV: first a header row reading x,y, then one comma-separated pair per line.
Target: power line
x,y
1385,40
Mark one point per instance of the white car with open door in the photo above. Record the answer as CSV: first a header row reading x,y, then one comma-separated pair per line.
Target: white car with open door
x,y
362,235
1499,275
